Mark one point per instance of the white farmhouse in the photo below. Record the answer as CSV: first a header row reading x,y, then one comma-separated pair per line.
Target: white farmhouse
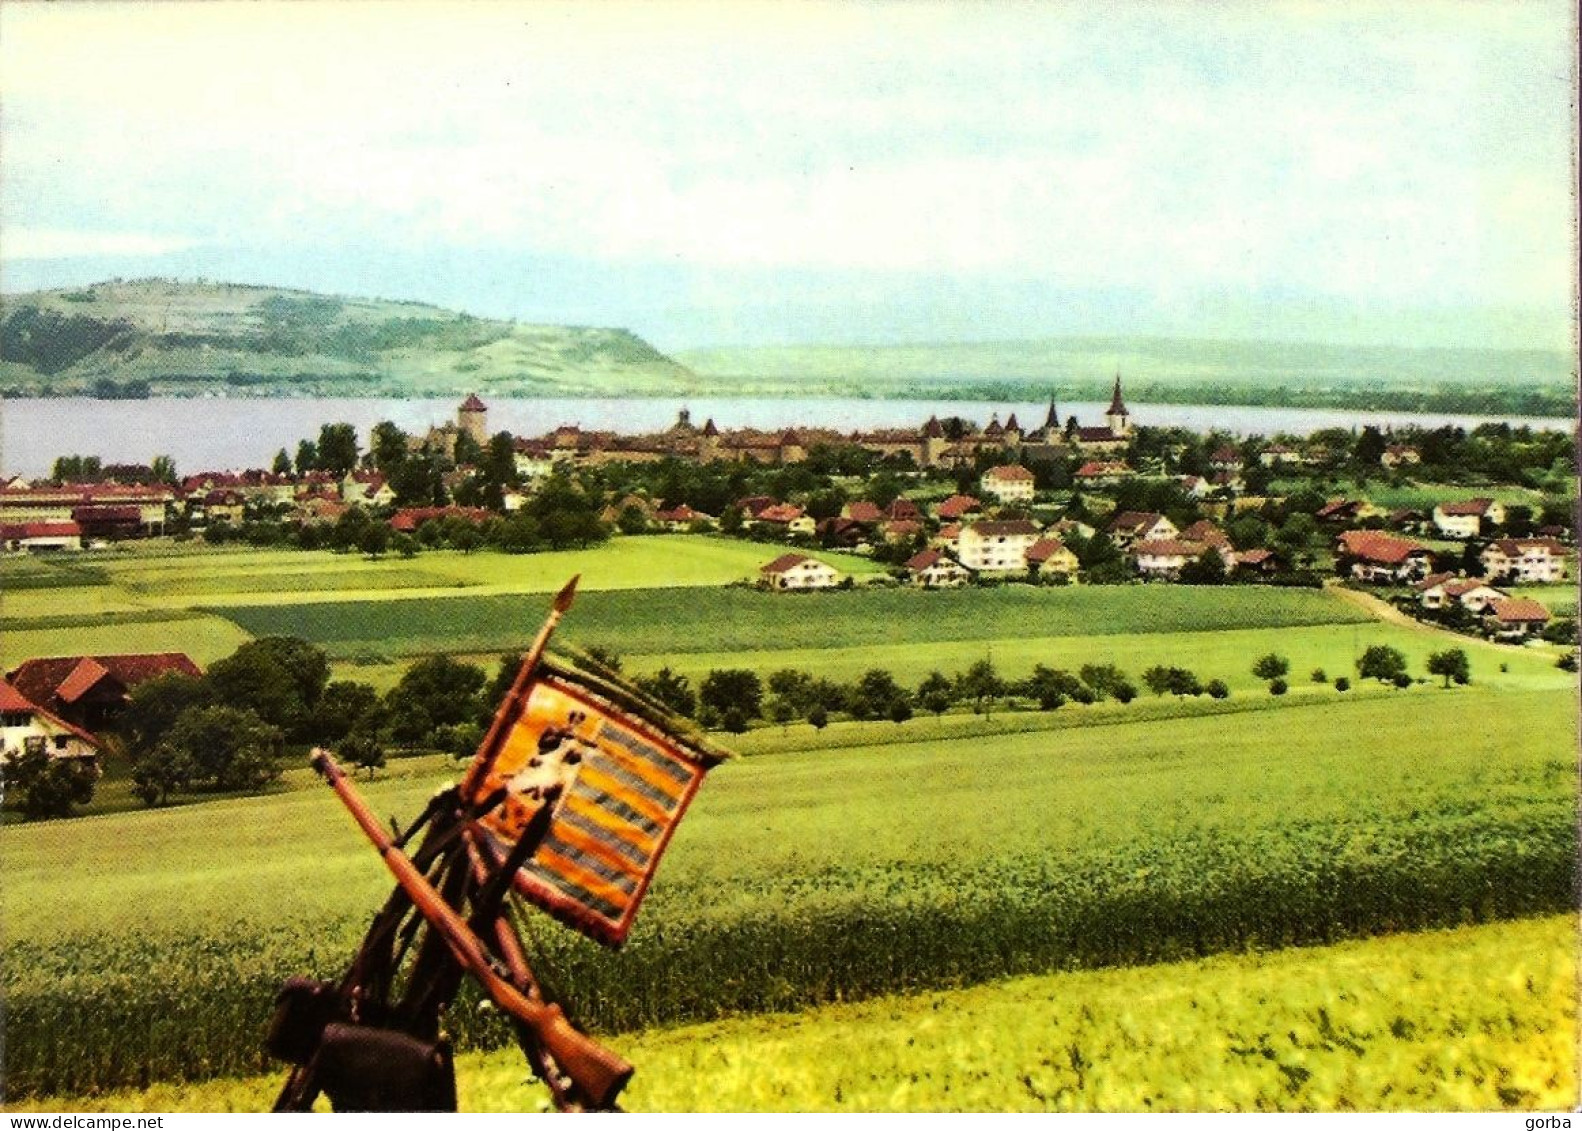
x,y
1466,519
25,726
798,571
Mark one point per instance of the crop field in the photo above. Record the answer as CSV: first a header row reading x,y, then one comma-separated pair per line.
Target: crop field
x,y
183,576
657,621
1226,655
822,875
1472,1019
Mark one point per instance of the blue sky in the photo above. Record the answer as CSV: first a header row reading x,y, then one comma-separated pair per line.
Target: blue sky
x,y
740,173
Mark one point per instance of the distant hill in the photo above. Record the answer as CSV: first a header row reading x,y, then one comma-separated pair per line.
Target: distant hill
x,y
166,338
1168,371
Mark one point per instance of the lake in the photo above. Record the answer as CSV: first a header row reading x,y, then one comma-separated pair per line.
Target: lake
x,y
204,434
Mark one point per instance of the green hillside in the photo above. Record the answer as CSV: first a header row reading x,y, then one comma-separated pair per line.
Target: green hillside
x,y
165,338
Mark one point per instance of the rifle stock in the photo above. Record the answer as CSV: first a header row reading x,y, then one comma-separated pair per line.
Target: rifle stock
x,y
597,1073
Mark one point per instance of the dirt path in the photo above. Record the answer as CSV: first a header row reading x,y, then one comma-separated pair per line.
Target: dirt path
x,y
1383,610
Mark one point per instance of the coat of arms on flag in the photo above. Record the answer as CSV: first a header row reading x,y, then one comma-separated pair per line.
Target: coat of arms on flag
x,y
619,783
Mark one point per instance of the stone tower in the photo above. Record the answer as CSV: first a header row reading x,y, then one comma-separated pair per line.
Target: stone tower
x,y
473,418
1117,417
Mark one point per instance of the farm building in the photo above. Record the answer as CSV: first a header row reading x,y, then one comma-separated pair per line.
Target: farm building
x,y
1515,618
24,726
1441,590
798,571
90,691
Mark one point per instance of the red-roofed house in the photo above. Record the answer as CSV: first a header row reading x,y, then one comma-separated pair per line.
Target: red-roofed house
x,y
408,519
1050,556
1377,556
1515,617
798,571
862,511
1011,483
40,537
90,691
1471,593
1139,526
682,518
1101,472
787,517
25,726
902,509
957,507
933,570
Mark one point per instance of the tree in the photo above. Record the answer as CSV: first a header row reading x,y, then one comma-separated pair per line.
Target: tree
x,y
1278,687
782,712
223,748
1102,679
818,718
981,684
900,710
307,457
342,708
364,751
874,694
337,448
1342,683
1452,664
48,787
1207,569
282,464
672,690
374,540
405,545
726,688
1174,681
1271,666
278,677
604,656
1319,676
734,720
1217,689
433,692
936,693
1381,662
154,705
388,447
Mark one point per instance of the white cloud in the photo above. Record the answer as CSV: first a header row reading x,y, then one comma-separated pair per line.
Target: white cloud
x,y
26,243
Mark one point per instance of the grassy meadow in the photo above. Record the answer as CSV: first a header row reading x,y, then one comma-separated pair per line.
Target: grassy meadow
x,y
830,874
864,859
1470,1019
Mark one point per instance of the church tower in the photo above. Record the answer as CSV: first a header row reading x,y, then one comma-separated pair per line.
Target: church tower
x,y
1117,417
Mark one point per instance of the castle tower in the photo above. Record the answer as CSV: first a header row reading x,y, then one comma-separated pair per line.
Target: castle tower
x,y
473,418
934,443
1013,432
1117,417
709,444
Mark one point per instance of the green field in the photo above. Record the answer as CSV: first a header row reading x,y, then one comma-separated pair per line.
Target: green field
x,y
834,874
657,622
1474,1019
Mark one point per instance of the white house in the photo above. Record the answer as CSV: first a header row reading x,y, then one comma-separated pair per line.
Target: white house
x,y
933,570
1140,526
1525,559
798,571
24,725
1441,590
1010,483
1466,519
1380,557
997,547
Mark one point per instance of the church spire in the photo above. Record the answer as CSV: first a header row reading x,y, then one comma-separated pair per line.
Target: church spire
x,y
1117,406
1052,421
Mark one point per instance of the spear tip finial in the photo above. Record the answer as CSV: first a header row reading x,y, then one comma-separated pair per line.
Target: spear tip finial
x,y
567,594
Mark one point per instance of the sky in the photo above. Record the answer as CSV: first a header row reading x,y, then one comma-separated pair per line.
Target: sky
x,y
743,173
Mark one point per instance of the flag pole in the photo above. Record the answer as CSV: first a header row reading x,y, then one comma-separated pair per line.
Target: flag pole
x,y
506,714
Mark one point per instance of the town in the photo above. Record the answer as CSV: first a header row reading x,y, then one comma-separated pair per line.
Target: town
x,y
950,503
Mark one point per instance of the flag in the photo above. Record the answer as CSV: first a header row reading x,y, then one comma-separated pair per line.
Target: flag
x,y
625,771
